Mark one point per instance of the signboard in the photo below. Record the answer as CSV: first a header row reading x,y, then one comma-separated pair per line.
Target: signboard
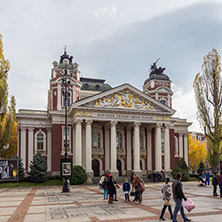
x,y
66,167
8,170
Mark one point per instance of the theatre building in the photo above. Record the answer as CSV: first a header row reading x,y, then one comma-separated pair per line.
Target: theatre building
x,y
120,129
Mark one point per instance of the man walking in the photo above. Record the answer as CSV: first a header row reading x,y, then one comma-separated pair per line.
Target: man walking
x,y
214,183
178,195
219,182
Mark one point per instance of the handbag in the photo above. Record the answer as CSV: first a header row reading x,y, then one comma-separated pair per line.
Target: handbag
x,y
166,202
132,192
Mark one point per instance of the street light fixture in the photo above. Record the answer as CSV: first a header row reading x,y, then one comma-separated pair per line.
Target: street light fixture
x,y
66,164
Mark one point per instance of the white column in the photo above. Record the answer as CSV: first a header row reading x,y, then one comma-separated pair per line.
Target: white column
x,y
88,147
113,153
59,107
136,149
149,149
107,153
156,96
74,145
181,145
158,154
128,150
74,94
186,151
23,146
30,145
166,148
78,143
49,149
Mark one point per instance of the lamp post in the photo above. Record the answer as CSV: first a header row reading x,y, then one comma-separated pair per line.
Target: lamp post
x,y
65,91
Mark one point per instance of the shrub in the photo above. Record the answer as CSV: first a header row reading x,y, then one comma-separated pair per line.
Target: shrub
x,y
79,176
38,169
185,174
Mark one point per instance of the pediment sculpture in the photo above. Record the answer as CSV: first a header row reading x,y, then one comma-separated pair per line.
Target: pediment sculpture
x,y
124,100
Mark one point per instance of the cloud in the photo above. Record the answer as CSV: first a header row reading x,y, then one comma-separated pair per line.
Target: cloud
x,y
101,13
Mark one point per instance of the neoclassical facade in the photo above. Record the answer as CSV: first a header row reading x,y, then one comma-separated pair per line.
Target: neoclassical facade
x,y
119,130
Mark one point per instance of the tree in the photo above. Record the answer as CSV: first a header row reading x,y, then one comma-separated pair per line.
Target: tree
x,y
181,167
201,168
7,112
208,95
38,169
197,153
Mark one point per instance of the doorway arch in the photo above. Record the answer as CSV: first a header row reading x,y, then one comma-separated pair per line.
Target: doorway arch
x,y
95,168
119,167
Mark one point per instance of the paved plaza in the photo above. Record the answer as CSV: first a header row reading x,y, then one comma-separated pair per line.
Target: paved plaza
x,y
85,203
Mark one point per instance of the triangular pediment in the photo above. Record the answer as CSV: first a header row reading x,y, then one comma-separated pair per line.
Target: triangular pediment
x,y
123,97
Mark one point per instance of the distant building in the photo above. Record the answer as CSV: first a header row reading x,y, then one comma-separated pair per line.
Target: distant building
x,y
198,136
120,129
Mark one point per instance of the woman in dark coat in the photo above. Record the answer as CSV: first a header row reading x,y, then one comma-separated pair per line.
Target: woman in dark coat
x,y
111,189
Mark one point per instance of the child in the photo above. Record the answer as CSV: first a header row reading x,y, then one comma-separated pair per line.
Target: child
x,y
126,189
105,189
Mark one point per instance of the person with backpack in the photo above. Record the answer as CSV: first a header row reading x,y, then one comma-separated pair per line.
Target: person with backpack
x,y
105,188
166,191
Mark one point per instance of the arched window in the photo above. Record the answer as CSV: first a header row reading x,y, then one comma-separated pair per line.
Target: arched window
x,y
119,140
40,141
141,141
96,139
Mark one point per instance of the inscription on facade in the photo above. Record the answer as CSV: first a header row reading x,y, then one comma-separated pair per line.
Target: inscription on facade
x,y
126,116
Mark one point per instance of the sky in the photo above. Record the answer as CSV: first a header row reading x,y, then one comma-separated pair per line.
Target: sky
x,y
112,40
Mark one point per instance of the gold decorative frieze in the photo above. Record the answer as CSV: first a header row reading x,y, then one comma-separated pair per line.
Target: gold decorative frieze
x,y
163,118
83,114
124,100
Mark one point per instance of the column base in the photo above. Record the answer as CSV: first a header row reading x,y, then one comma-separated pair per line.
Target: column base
x,y
128,172
138,172
115,173
89,177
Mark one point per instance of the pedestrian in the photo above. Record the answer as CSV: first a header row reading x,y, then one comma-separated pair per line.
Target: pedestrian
x,y
126,189
101,181
219,182
207,178
166,198
139,186
105,188
214,183
136,196
111,189
178,195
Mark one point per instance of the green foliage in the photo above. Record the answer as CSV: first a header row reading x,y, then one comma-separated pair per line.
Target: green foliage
x,y
208,94
79,176
185,174
7,113
38,169
21,170
201,168
182,168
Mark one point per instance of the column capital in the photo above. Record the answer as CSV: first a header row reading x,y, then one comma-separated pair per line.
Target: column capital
x,y
137,124
113,123
166,125
78,121
158,125
106,126
49,129
23,128
149,128
128,128
88,121
30,128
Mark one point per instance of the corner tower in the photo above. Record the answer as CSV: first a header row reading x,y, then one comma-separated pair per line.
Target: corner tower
x,y
55,95
158,85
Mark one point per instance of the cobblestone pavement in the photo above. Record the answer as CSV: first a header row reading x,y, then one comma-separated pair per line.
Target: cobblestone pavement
x,y
85,203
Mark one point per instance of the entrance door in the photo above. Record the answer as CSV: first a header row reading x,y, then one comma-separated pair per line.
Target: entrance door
x,y
119,167
95,168
141,165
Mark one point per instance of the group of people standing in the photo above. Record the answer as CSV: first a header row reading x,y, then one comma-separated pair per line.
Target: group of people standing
x,y
110,186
